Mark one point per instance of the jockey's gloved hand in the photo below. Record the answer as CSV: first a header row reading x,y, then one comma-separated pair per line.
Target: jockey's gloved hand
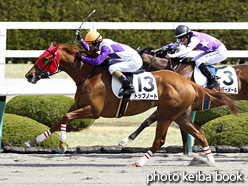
x,y
79,56
155,51
78,34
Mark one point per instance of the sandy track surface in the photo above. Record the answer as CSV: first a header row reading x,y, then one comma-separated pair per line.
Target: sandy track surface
x,y
113,169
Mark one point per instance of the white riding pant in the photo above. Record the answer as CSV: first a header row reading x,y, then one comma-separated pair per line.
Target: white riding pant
x,y
133,64
210,58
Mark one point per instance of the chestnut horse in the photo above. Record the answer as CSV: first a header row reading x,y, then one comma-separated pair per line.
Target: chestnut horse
x,y
94,97
185,69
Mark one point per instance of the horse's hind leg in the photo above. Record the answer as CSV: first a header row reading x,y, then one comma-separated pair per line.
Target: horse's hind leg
x,y
145,124
188,126
185,141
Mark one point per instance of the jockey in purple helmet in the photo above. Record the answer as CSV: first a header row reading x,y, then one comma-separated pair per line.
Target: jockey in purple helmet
x,y
213,50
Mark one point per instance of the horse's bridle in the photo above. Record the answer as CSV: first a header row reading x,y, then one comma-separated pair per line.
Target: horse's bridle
x,y
45,72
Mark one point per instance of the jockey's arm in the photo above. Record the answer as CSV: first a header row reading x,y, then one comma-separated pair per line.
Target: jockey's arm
x,y
184,51
84,45
101,57
170,46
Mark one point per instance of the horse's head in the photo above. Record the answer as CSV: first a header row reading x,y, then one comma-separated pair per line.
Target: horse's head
x,y
47,64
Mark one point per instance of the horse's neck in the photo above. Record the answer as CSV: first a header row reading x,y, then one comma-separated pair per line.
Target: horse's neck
x,y
81,71
77,70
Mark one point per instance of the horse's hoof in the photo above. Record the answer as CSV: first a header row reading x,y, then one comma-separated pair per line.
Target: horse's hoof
x,y
28,144
124,142
211,159
133,165
62,150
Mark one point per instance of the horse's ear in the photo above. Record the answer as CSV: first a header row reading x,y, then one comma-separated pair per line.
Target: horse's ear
x,y
51,45
57,47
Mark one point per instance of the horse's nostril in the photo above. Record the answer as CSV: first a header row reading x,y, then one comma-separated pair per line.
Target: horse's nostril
x,y
28,76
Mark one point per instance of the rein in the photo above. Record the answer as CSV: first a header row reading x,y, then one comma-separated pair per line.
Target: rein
x,y
65,68
170,62
151,62
178,66
87,76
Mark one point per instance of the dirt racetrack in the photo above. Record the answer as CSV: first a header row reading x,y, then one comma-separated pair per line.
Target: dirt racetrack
x,y
112,169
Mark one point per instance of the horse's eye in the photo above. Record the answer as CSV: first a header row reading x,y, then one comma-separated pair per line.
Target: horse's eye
x,y
45,60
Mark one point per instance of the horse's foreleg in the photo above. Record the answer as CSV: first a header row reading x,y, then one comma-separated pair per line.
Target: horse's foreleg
x,y
55,127
159,141
72,114
81,113
145,124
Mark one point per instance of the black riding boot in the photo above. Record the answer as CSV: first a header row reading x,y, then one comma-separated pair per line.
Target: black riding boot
x,y
127,87
209,74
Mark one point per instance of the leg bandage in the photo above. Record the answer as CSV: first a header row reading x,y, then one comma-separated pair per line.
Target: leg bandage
x,y
43,136
63,133
209,154
144,159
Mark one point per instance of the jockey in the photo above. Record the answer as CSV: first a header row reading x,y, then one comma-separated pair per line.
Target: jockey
x,y
213,50
123,57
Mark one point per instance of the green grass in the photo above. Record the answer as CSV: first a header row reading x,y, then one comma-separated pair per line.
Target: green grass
x,y
110,131
110,136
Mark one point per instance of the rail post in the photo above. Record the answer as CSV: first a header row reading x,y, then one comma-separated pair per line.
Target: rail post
x,y
2,109
192,117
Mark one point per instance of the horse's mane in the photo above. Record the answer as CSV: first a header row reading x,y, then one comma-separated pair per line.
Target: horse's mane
x,y
70,49
147,50
73,49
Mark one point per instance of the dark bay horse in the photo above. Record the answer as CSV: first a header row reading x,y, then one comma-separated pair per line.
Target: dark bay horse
x,y
94,96
185,69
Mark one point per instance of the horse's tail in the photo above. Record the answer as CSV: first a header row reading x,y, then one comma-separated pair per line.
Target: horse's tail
x,y
218,97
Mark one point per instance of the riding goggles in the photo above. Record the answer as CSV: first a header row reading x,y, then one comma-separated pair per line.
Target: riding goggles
x,y
92,44
181,39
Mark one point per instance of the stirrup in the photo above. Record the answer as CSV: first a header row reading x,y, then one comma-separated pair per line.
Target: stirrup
x,y
127,91
212,84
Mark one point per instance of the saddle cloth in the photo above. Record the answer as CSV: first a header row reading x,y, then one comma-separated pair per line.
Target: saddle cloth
x,y
144,83
226,77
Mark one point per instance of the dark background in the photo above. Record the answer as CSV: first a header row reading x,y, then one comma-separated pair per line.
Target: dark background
x,y
122,11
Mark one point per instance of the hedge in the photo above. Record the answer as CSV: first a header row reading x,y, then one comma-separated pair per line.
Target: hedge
x,y
204,116
46,109
18,129
227,130
122,11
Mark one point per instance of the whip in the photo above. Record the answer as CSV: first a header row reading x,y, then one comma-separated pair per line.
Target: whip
x,y
83,23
